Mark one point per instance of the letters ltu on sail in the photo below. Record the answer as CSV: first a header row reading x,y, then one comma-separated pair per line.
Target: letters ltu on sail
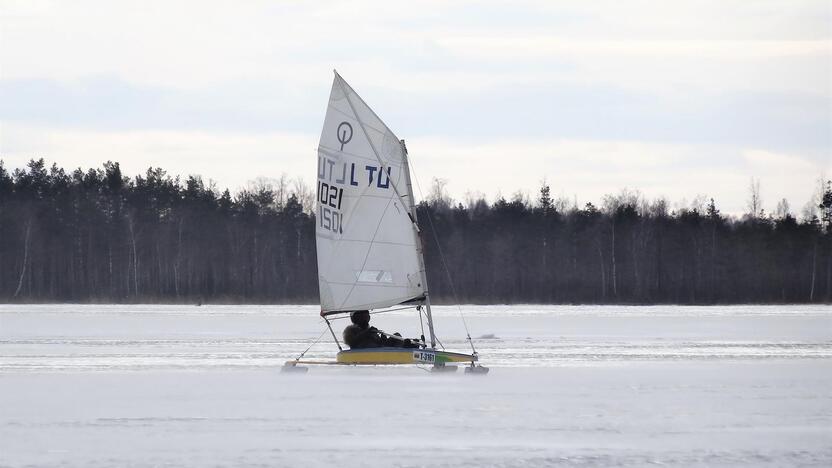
x,y
367,245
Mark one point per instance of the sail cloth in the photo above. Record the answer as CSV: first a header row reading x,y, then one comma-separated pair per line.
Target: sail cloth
x,y
367,245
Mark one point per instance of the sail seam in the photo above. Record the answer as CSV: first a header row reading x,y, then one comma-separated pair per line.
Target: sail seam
x,y
372,242
367,255
335,153
343,85
386,128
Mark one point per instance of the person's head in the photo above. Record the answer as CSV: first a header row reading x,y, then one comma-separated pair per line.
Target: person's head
x,y
360,317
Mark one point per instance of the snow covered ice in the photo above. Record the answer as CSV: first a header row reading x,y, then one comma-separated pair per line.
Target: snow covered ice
x,y
100,385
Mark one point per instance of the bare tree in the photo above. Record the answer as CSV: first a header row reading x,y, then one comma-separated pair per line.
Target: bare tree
x,y
699,203
135,257
281,190
522,198
304,194
562,204
755,201
473,198
438,194
625,197
782,211
25,258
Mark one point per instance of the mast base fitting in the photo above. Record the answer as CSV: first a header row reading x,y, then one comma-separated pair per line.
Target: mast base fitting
x,y
292,367
476,370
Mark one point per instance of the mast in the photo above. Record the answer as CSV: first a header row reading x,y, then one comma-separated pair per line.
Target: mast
x,y
419,250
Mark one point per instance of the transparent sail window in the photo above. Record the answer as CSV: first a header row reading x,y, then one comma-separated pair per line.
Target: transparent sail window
x,y
373,276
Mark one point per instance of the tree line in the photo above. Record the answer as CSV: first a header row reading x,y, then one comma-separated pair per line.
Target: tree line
x,y
628,250
98,235
101,236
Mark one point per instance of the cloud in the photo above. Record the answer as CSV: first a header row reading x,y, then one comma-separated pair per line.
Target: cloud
x,y
673,98
491,46
585,169
587,112
189,45
778,162
589,169
231,159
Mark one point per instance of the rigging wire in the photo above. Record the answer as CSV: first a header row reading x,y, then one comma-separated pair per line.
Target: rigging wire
x,y
441,344
310,346
444,263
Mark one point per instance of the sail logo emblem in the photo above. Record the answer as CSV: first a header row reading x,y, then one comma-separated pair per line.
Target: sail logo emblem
x,y
344,133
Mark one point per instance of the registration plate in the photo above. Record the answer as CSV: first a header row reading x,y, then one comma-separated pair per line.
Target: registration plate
x,y
424,356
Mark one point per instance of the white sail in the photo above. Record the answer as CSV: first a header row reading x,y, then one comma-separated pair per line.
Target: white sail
x,y
367,245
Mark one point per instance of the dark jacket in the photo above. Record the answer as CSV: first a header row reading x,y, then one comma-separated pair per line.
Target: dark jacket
x,y
357,337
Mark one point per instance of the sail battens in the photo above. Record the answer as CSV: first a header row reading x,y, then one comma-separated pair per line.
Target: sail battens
x,y
367,195
367,256
359,241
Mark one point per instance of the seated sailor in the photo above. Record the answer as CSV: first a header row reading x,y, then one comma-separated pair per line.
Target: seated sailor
x,y
360,334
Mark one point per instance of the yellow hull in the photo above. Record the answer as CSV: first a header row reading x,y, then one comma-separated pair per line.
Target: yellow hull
x,y
401,356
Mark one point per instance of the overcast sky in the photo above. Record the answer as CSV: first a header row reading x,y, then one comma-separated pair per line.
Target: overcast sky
x,y
674,99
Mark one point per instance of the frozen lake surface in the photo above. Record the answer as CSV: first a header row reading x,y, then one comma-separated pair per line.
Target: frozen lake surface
x,y
95,385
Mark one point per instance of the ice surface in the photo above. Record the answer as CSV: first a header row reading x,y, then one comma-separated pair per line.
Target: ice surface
x,y
569,386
